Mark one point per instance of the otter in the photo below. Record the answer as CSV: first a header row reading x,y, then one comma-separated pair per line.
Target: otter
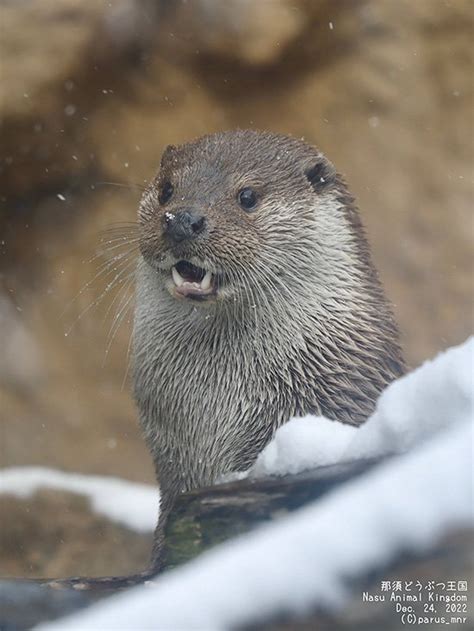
x,y
256,301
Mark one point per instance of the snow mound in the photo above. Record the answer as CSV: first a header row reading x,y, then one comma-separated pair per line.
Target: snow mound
x,y
306,559
127,503
438,394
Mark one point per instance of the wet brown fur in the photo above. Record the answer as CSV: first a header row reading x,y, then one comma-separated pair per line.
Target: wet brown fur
x,y
300,325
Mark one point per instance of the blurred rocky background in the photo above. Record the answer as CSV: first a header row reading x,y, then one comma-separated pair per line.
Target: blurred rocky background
x,y
91,94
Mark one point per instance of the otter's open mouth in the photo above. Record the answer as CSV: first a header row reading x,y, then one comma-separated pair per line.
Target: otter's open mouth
x,y
192,281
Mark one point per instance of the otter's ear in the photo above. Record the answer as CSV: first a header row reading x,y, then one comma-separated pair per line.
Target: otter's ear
x,y
320,173
168,154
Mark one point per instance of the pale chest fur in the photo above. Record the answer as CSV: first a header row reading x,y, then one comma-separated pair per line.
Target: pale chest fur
x,y
209,397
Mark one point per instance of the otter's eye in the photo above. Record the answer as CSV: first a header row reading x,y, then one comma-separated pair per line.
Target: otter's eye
x,y
166,192
247,198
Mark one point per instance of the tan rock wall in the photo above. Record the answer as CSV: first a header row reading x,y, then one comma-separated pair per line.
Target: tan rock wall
x,y
383,87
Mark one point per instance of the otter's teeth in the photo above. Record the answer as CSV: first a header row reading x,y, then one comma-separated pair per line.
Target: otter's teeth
x,y
177,278
206,281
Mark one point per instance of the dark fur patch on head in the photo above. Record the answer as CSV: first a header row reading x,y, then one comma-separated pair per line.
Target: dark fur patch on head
x,y
168,154
321,175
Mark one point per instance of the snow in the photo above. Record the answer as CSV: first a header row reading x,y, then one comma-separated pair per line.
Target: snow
x,y
436,395
302,444
127,503
306,559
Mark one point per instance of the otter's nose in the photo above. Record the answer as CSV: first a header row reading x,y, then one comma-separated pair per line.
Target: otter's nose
x,y
183,225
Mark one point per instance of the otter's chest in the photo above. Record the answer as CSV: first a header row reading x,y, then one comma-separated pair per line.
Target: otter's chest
x,y
198,381
199,378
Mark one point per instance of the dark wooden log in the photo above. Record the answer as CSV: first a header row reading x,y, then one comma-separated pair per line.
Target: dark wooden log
x,y
206,517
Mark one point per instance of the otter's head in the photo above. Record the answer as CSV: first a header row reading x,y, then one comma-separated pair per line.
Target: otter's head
x,y
233,214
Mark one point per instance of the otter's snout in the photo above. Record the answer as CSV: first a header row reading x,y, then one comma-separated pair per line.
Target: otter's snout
x,y
183,225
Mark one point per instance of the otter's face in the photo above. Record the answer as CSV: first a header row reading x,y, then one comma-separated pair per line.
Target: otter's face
x,y
231,212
